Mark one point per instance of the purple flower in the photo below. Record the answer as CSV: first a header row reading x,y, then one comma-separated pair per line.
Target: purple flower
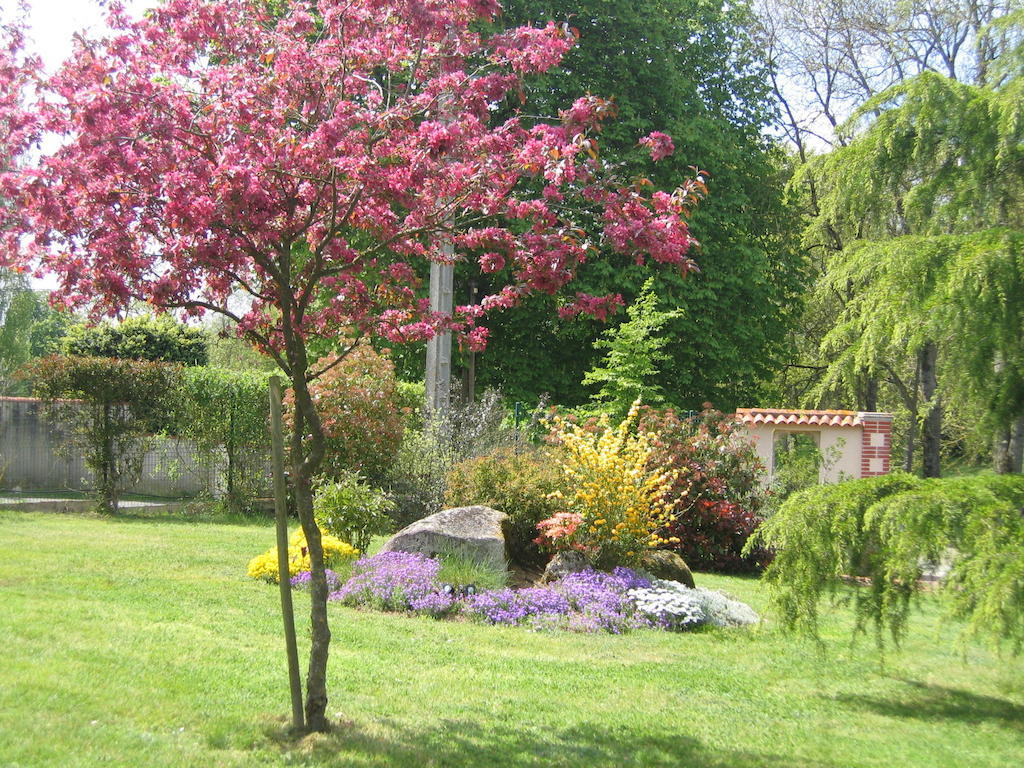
x,y
303,579
599,591
390,581
588,601
600,601
434,604
511,606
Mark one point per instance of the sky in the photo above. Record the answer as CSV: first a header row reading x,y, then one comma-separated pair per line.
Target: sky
x,y
52,23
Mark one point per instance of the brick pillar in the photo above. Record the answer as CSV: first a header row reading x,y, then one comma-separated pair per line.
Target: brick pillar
x,y
875,443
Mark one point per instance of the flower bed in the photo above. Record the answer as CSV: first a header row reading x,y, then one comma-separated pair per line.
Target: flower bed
x,y
588,601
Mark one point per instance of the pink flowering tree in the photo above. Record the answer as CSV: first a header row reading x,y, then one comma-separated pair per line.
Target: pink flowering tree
x,y
287,168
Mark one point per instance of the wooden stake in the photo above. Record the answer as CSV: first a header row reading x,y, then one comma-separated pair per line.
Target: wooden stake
x,y
281,510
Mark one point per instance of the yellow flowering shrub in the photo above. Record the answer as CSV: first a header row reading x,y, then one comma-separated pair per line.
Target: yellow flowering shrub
x,y
612,497
336,552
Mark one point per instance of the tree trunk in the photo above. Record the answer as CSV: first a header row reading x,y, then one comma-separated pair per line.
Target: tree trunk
x,y
231,456
932,431
869,393
320,630
1002,458
108,479
1008,447
911,447
1017,444
307,454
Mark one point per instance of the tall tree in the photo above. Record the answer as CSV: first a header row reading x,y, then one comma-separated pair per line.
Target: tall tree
x,y
930,189
831,60
310,158
29,328
687,67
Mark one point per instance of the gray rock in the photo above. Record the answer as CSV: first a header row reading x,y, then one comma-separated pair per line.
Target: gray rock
x,y
474,531
562,564
723,611
667,565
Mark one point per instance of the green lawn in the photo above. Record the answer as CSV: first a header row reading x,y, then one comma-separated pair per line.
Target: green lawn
x,y
141,643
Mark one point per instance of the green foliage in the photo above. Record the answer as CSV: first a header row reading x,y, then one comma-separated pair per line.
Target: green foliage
x,y
418,475
518,483
461,570
108,409
226,414
352,510
146,337
357,401
884,530
228,351
410,397
29,328
798,465
922,208
689,68
636,351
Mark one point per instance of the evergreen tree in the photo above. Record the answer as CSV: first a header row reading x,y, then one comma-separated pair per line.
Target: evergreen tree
x,y
157,339
929,194
636,352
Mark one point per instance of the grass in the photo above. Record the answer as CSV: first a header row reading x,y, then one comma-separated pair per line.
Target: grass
x,y
462,570
135,642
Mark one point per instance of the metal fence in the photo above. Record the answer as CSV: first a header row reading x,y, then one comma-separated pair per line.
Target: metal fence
x,y
35,456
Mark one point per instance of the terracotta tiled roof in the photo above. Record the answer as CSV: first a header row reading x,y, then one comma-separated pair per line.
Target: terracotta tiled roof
x,y
755,416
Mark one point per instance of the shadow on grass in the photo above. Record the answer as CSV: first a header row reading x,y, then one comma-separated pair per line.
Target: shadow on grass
x,y
469,743
939,703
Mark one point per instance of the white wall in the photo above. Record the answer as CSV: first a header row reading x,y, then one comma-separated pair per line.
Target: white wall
x,y
839,445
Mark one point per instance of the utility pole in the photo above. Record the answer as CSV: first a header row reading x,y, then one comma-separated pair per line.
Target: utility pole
x,y
438,377
439,348
469,377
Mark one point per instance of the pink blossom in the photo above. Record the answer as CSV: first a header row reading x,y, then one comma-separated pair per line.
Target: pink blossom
x,y
660,144
291,167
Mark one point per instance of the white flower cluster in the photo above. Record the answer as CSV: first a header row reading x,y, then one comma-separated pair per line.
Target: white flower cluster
x,y
676,606
669,607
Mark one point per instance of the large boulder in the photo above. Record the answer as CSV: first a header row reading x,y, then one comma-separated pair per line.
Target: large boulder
x,y
668,566
474,531
562,564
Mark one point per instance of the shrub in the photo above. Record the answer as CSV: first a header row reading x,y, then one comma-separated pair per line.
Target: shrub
x,y
885,530
337,554
715,494
613,493
226,414
352,510
410,396
519,484
417,480
157,339
108,409
419,474
358,407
